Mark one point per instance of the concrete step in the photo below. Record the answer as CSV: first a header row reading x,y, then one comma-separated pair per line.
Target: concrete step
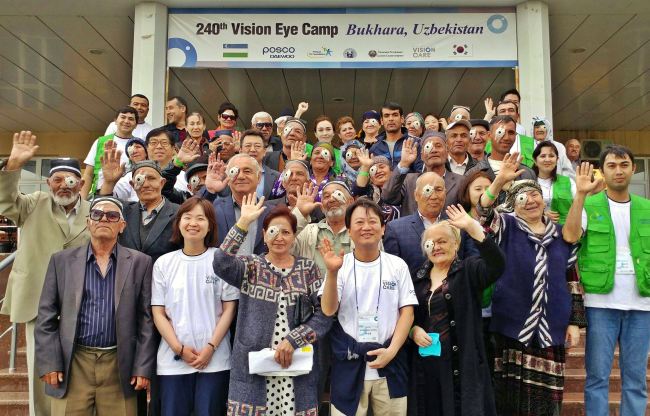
x,y
13,382
21,359
14,403
573,404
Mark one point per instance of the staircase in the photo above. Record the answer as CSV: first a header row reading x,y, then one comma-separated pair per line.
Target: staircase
x,y
14,387
574,383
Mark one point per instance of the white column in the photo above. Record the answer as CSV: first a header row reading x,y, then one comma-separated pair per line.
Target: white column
x,y
150,58
534,54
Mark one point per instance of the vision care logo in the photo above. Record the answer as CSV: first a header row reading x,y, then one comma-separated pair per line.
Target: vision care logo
x,y
279,52
497,23
235,50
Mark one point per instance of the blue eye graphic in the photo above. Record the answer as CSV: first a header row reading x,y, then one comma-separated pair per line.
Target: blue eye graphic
x,y
187,48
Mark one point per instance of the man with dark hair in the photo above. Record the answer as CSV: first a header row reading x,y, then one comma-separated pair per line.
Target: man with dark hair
x,y
478,138
512,95
375,324
294,131
389,143
126,119
141,104
252,144
502,137
459,160
176,111
614,264
524,145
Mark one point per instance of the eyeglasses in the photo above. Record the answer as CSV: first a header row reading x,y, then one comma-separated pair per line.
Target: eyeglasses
x,y
263,125
162,143
228,116
98,214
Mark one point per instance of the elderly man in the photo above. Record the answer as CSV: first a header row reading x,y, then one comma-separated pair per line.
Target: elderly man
x,y
294,131
90,364
400,188
478,138
263,122
242,175
252,144
49,222
459,160
402,237
502,135
573,152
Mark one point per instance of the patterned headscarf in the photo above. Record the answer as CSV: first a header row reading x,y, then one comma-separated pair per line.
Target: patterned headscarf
x,y
518,188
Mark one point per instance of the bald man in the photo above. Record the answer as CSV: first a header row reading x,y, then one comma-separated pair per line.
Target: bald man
x,y
402,236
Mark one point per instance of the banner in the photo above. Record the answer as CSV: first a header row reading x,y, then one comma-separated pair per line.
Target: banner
x,y
341,38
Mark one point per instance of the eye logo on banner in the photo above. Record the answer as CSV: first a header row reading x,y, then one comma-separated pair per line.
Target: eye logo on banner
x,y
497,23
186,47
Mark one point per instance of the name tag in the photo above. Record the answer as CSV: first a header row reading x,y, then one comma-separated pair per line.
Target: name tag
x,y
368,328
624,263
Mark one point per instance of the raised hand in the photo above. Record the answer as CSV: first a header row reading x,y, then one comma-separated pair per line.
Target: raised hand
x,y
302,108
443,124
216,180
305,199
333,261
365,158
112,166
24,148
585,183
510,168
489,107
298,151
409,153
189,151
458,218
251,209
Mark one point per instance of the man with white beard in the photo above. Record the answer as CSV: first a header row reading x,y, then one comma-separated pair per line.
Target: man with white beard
x,y
49,222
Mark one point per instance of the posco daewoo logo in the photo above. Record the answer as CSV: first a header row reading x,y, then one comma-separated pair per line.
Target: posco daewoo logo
x,y
279,52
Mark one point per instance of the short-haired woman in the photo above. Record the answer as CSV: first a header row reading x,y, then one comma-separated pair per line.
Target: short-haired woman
x,y
193,309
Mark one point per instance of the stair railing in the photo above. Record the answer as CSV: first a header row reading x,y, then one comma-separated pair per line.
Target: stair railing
x,y
6,262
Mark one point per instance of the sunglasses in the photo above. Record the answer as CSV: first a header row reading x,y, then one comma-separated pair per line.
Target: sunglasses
x,y
228,116
98,214
262,125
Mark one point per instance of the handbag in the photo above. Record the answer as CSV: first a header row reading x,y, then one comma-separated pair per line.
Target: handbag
x,y
303,311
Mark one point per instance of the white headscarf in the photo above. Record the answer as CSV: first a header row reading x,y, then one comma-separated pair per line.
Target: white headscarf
x,y
549,127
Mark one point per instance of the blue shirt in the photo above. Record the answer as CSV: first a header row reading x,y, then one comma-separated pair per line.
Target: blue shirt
x,y
96,321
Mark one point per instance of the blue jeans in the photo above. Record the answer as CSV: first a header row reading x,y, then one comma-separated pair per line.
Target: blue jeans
x,y
198,394
631,329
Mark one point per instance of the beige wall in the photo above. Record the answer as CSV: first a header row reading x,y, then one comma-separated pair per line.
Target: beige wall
x,y
72,144
637,141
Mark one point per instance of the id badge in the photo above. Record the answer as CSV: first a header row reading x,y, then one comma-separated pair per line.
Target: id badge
x,y
368,328
624,264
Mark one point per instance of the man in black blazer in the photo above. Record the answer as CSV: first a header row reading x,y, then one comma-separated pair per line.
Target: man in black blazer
x,y
402,236
400,187
241,175
95,343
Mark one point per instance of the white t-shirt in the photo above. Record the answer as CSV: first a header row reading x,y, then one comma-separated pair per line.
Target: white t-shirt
x,y
394,292
625,294
90,158
140,131
192,295
495,165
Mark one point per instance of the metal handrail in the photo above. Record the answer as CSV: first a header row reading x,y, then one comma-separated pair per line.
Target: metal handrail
x,y
6,262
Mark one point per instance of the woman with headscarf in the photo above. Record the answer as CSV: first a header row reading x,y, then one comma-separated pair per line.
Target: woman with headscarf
x,y
537,308
543,132
373,174
370,126
414,123
450,366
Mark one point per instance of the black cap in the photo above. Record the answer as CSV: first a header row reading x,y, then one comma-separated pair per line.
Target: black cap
x,y
65,165
110,199
198,165
480,122
146,164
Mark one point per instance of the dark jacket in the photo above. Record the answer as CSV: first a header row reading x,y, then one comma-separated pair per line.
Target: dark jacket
x,y
403,235
157,242
466,280
272,160
381,149
58,312
276,143
471,162
399,190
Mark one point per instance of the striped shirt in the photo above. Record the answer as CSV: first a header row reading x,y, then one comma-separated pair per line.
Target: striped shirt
x,y
96,321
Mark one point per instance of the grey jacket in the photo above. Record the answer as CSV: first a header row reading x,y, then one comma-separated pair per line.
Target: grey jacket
x,y
58,311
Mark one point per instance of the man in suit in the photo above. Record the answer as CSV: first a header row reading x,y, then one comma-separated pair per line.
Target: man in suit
x,y
90,364
252,144
400,187
459,160
403,235
49,222
242,175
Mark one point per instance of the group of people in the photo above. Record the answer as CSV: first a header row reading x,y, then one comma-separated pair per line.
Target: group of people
x,y
419,265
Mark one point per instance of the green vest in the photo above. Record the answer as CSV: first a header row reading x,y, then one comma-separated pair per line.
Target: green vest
x,y
597,255
101,141
562,197
526,145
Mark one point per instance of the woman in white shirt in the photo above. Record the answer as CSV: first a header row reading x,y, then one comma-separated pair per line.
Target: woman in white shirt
x,y
193,309
557,190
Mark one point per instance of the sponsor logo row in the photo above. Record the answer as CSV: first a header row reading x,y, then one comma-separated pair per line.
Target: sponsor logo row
x,y
231,50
